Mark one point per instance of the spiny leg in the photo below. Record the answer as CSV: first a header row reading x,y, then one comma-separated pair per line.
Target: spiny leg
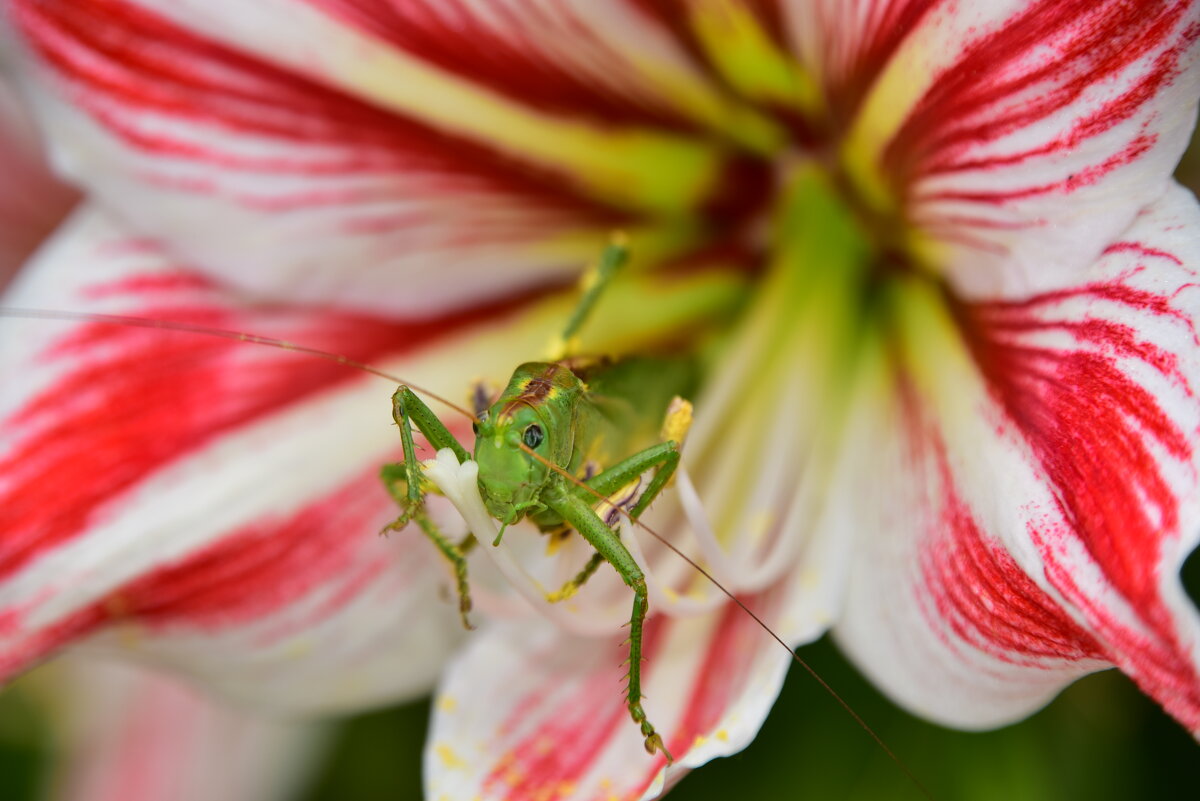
x,y
633,695
395,476
457,554
407,410
609,547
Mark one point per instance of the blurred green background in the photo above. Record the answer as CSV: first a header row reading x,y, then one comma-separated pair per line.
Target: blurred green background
x,y
1100,740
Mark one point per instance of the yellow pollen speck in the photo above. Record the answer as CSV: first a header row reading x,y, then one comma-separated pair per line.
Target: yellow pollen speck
x,y
447,703
722,735
606,783
699,741
671,594
450,759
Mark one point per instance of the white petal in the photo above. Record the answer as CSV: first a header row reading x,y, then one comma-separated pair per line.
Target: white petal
x,y
527,711
191,494
1031,504
335,166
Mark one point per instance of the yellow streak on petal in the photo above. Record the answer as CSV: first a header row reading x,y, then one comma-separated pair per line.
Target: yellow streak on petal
x,y
935,355
633,168
447,703
903,82
748,58
739,122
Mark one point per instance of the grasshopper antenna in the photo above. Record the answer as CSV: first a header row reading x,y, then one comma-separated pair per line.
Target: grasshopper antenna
x,y
761,623
191,328
173,325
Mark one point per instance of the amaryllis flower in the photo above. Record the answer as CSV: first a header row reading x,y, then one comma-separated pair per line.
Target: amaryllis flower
x,y
930,253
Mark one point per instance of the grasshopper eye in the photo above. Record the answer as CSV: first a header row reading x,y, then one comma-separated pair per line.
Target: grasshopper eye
x,y
533,436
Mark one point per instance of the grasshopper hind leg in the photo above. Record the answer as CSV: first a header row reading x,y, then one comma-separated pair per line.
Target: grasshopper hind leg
x,y
609,548
633,687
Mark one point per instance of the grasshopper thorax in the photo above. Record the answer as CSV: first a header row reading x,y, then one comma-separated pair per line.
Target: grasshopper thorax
x,y
536,410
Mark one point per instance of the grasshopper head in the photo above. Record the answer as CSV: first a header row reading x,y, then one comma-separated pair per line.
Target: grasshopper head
x,y
511,480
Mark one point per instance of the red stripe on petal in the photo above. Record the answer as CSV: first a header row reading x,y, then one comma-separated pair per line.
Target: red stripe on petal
x,y
726,663
547,763
320,553
1132,151
139,399
989,601
23,650
269,566
124,63
1103,441
510,48
1092,426
1046,57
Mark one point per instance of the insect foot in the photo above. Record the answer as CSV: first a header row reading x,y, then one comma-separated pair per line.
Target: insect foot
x,y
654,742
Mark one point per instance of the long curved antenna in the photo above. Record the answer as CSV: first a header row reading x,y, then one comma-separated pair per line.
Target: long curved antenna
x,y
192,328
762,624
172,325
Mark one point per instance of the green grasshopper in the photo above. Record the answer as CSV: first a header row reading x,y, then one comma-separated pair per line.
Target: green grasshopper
x,y
539,447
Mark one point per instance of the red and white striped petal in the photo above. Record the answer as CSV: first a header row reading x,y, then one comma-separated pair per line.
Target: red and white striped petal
x,y
1034,490
212,504
32,200
528,712
1014,136
133,735
357,154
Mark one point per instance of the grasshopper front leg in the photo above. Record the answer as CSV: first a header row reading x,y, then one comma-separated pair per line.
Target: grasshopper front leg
x,y
580,515
408,409
664,457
